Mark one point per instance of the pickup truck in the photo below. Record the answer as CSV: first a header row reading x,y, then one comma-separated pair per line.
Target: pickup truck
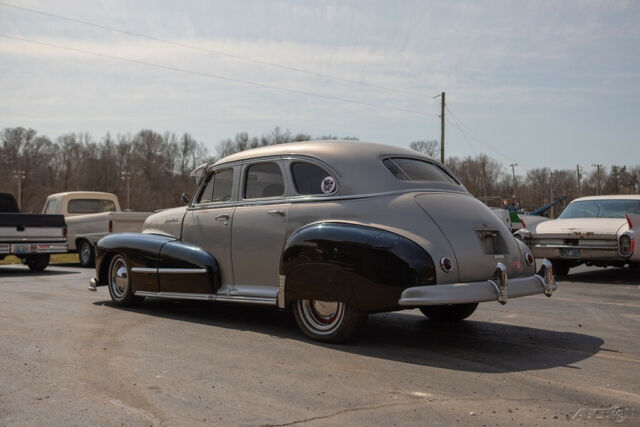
x,y
91,215
30,237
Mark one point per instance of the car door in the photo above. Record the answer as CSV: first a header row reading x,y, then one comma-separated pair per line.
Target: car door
x,y
207,225
259,228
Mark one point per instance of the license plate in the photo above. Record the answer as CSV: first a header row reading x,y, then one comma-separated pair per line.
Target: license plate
x,y
570,253
21,249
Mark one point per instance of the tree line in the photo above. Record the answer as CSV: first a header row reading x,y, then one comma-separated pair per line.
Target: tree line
x,y
159,165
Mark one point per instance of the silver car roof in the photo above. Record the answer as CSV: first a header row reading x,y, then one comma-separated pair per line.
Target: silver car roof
x,y
358,164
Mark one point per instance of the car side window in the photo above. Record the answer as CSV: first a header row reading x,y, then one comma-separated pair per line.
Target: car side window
x,y
263,180
50,208
223,183
206,194
218,187
311,179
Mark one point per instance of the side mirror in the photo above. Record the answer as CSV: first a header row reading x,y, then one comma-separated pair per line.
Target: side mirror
x,y
185,198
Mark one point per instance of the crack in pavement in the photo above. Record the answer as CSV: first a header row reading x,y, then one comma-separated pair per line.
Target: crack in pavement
x,y
340,412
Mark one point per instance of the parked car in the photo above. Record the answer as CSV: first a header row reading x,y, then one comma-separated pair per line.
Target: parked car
x,y
596,230
91,215
333,231
30,237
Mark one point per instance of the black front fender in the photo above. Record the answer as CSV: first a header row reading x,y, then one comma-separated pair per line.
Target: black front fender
x,y
159,263
363,266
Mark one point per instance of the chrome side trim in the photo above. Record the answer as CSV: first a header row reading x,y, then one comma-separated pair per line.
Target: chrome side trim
x,y
143,270
208,297
182,270
280,297
551,246
169,270
319,198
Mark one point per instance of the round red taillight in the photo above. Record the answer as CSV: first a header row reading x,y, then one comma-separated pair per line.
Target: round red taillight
x,y
529,258
625,245
446,264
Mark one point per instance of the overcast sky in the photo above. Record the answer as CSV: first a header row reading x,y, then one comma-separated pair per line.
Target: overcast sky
x,y
539,83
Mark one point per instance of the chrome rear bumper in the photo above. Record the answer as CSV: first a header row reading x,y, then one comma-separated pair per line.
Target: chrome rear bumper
x,y
19,249
499,288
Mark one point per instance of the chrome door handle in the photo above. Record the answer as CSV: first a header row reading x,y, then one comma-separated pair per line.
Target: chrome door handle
x,y
223,217
276,213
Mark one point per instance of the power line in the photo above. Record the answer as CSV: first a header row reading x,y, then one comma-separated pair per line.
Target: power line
x,y
474,135
214,76
464,136
213,51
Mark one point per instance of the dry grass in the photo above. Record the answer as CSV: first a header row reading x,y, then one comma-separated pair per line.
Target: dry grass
x,y
55,259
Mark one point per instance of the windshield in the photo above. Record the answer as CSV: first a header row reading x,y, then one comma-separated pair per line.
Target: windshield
x,y
601,209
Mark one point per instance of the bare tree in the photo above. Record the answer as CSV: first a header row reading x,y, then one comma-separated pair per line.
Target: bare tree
x,y
430,148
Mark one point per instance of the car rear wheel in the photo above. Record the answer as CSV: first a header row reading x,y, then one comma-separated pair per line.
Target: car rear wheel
x,y
37,262
560,268
449,313
85,254
119,282
328,321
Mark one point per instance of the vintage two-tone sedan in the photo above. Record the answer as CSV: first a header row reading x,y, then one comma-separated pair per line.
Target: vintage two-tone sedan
x,y
332,230
594,230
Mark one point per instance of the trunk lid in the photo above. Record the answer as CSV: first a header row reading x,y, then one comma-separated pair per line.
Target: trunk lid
x,y
478,237
584,228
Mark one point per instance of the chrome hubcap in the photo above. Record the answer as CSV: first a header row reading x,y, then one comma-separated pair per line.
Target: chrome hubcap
x,y
118,277
85,252
321,316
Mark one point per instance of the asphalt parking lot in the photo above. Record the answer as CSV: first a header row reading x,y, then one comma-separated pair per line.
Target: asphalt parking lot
x,y
69,357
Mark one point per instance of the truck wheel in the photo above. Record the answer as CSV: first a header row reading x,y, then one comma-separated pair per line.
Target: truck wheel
x,y
560,268
450,312
86,254
119,283
36,262
325,321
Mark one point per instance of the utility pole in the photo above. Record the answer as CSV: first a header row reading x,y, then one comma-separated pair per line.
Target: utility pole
x,y
126,176
579,173
484,180
515,186
551,194
598,166
442,107
20,175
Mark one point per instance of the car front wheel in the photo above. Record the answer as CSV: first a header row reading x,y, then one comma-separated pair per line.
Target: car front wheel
x,y
328,321
119,283
449,313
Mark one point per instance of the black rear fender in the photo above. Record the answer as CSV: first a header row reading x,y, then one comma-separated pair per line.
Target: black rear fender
x,y
363,266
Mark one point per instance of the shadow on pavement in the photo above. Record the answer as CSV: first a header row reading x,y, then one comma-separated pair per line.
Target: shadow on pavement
x,y
606,276
403,336
23,270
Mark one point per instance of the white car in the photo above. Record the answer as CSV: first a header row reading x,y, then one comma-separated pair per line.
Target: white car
x,y
91,215
596,230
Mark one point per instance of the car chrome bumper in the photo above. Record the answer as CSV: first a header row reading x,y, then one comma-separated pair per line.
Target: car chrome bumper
x,y
499,288
19,249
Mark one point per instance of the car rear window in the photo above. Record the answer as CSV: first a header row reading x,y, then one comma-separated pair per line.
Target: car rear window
x,y
407,169
90,206
311,179
263,180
